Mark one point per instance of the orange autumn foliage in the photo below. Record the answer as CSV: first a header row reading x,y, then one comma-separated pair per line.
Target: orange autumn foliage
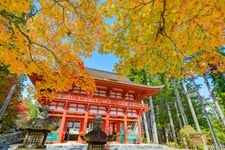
x,y
171,37
49,37
7,80
21,110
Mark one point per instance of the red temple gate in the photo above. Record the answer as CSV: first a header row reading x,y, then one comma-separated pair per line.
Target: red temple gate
x,y
116,99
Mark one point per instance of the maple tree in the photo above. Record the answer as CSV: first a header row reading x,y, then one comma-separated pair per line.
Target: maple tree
x,y
49,37
171,37
16,108
6,82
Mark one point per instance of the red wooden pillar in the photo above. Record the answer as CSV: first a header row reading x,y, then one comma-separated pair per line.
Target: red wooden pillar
x,y
83,126
125,129
62,131
139,129
85,122
107,123
81,130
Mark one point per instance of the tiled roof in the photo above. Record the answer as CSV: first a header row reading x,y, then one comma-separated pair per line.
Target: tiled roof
x,y
113,77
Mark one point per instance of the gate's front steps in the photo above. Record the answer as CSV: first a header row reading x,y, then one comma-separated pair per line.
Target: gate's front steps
x,y
78,146
137,147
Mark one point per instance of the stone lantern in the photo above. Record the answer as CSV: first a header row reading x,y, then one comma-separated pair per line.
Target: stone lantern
x,y
36,130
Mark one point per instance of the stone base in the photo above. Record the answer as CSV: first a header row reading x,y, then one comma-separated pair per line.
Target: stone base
x,y
21,147
111,146
30,149
137,147
67,146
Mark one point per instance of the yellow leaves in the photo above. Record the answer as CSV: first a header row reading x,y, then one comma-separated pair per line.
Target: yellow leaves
x,y
79,24
163,42
143,34
17,6
51,42
3,32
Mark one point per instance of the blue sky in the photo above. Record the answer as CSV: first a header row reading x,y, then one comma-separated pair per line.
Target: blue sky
x,y
101,62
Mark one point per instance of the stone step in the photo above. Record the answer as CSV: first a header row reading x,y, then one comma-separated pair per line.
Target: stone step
x,y
137,147
78,146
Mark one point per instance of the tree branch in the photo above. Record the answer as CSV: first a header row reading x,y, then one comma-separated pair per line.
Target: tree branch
x,y
163,22
29,46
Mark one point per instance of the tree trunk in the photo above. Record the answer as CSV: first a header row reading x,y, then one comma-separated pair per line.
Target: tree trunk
x,y
193,114
178,116
205,113
8,98
148,117
154,128
191,108
184,117
167,136
171,124
215,101
146,126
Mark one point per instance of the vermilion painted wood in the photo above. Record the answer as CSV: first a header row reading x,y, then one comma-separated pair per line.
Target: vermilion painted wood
x,y
121,98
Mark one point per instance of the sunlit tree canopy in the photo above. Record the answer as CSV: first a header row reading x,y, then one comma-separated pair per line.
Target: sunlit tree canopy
x,y
172,37
49,37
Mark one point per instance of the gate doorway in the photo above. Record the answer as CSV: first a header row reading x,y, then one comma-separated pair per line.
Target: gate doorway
x,y
72,130
117,128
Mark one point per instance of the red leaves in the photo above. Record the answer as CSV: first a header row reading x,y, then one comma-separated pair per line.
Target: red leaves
x,y
81,64
21,109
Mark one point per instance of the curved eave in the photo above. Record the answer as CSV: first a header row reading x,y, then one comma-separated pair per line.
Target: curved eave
x,y
131,83
145,91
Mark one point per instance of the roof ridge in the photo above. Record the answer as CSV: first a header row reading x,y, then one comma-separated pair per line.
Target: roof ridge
x,y
104,71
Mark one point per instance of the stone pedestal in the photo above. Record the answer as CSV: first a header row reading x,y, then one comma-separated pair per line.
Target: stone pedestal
x,y
96,146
